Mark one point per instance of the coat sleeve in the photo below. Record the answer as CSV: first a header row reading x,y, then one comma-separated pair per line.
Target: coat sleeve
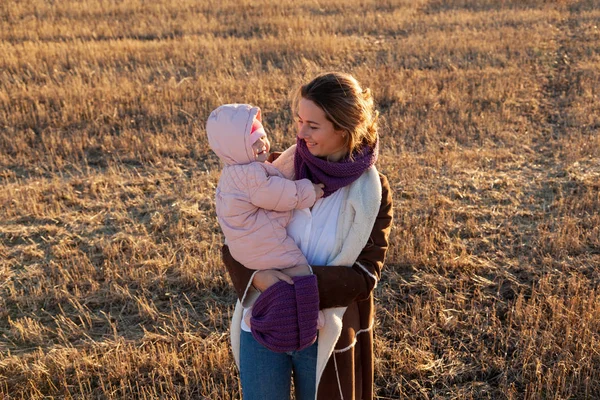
x,y
339,285
280,194
240,275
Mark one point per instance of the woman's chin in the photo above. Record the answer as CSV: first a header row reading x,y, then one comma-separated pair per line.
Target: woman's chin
x,y
313,151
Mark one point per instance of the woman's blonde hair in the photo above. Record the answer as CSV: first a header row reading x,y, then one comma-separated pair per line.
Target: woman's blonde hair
x,y
349,107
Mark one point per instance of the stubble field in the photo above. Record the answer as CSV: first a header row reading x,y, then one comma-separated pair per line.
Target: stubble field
x,y
111,285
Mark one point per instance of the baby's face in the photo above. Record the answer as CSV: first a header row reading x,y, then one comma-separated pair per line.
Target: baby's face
x,y
261,149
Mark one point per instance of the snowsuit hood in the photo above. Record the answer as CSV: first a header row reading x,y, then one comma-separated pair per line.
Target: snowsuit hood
x,y
228,128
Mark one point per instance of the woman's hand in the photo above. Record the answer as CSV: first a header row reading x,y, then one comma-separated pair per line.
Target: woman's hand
x,y
298,270
266,278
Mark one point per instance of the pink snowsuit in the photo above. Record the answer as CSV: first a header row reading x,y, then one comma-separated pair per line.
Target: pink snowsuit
x,y
254,201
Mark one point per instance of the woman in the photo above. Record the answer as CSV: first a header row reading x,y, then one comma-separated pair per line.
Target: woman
x,y
344,236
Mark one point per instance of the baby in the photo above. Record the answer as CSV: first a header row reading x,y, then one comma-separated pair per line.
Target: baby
x,y
254,200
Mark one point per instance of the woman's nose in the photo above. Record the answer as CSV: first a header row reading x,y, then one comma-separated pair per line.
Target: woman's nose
x,y
302,131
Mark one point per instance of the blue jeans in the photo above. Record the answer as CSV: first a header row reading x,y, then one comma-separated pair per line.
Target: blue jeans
x,y
266,374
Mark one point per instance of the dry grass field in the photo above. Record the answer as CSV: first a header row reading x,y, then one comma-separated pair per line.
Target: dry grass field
x,y
111,285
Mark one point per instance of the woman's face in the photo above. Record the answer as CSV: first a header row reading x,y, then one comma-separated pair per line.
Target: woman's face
x,y
318,132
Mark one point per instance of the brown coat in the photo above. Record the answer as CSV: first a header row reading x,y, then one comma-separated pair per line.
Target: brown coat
x,y
341,286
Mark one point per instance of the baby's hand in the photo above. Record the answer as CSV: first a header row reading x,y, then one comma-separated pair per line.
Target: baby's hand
x,y
319,190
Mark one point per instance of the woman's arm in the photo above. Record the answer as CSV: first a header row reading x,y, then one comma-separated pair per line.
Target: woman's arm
x,y
240,275
339,285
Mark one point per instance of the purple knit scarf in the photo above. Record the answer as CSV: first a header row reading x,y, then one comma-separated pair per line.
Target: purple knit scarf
x,y
333,175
